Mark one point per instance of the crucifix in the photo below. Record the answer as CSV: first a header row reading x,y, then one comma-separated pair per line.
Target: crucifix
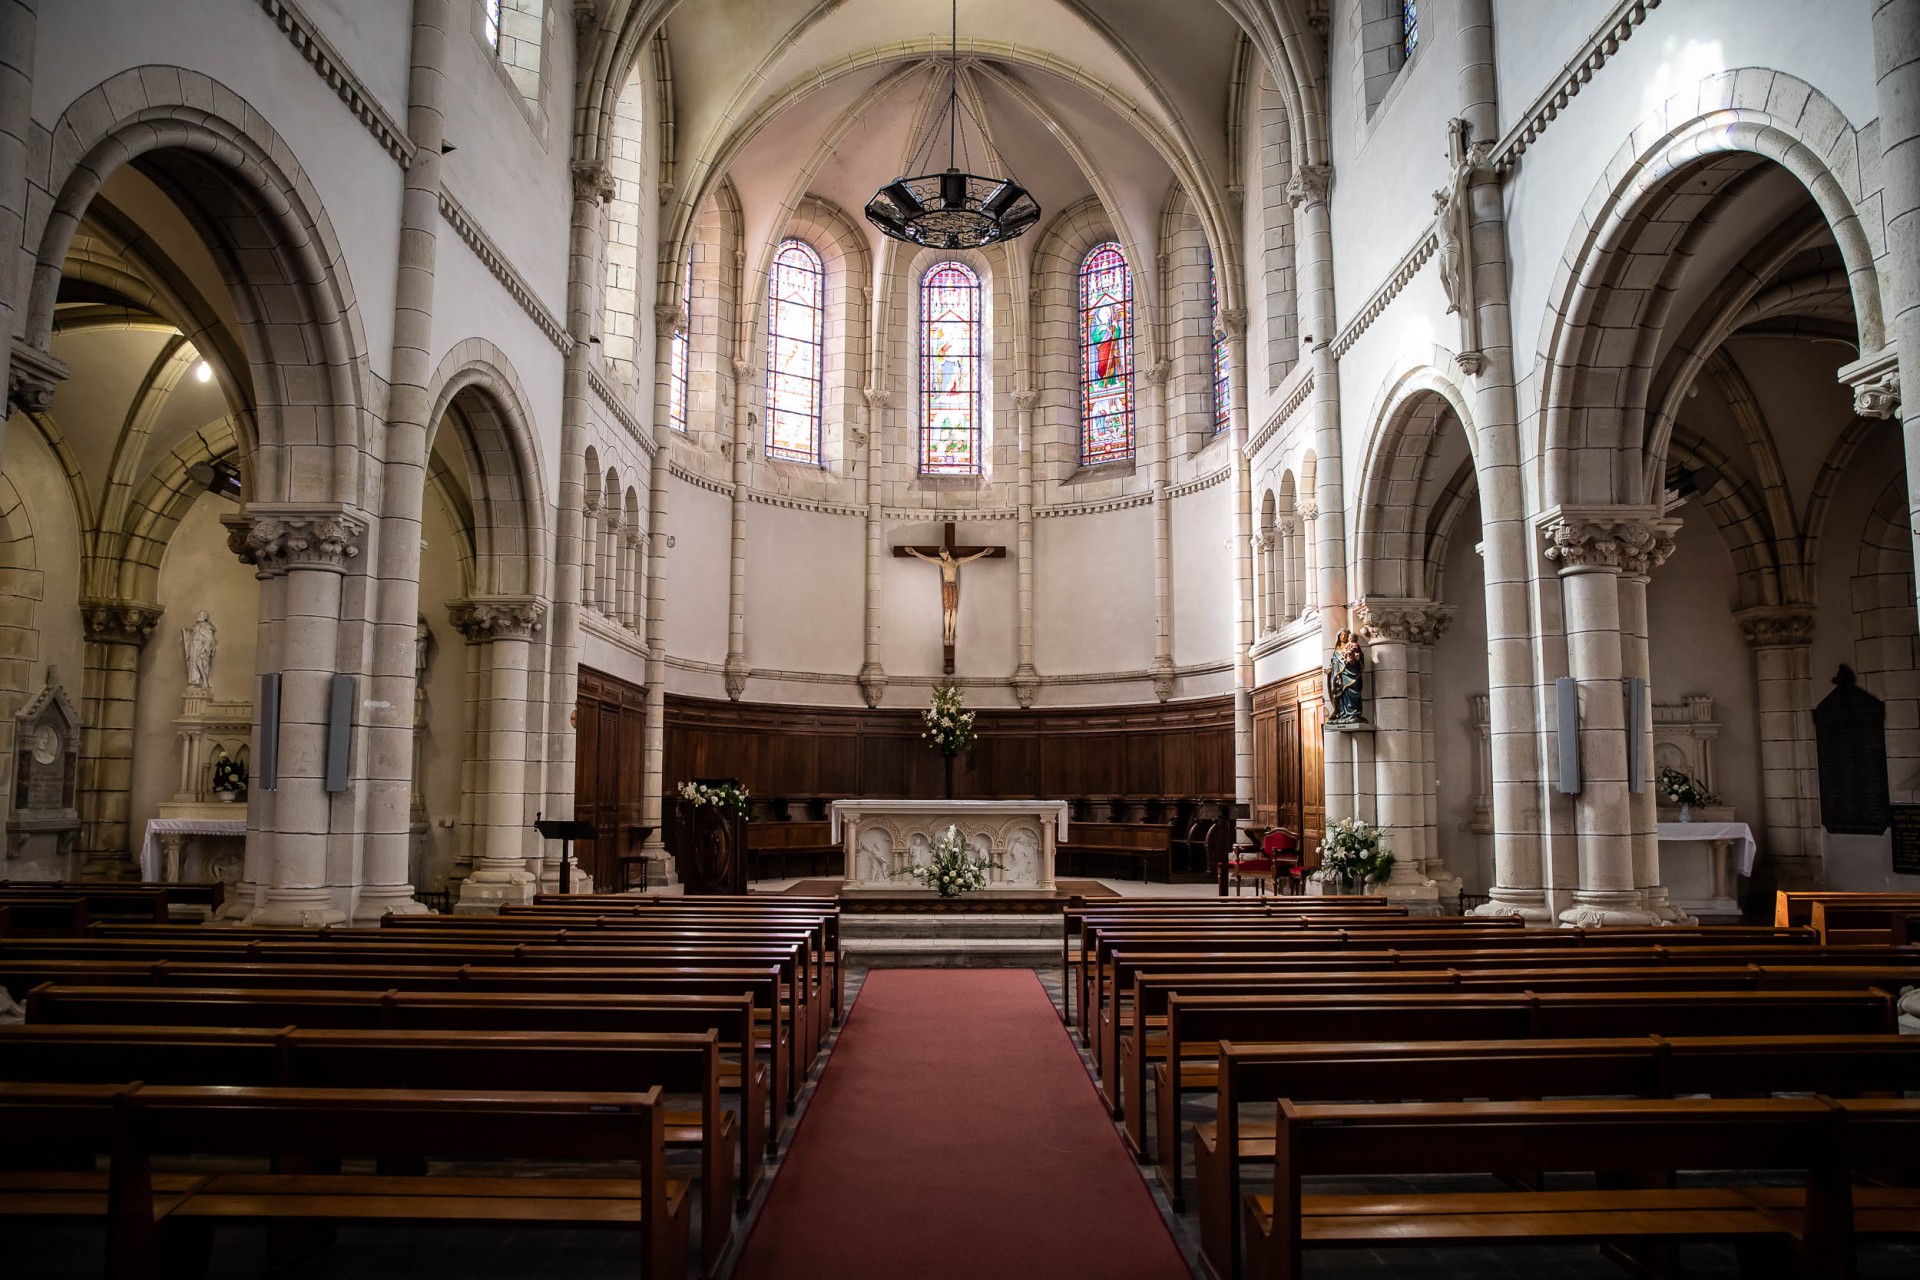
x,y
948,557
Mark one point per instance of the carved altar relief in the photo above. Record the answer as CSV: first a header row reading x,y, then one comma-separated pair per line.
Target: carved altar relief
x,y
881,838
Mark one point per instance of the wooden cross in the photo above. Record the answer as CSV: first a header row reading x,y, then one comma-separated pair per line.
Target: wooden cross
x,y
948,557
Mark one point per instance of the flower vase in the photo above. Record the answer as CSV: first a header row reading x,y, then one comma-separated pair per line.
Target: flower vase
x,y
227,797
1686,813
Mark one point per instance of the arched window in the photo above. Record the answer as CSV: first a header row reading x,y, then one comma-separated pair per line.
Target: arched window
x,y
950,345
1222,362
1106,356
1409,27
796,331
677,352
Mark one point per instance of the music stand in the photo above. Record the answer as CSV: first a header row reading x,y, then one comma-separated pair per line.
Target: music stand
x,y
566,831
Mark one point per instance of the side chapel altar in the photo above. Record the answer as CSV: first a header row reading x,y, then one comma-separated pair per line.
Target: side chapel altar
x,y
882,837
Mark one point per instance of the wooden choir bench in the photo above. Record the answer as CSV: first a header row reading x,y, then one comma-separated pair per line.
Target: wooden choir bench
x,y
1149,844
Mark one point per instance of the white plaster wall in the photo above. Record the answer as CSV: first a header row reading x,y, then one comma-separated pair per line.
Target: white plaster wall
x,y
83,42
696,621
910,605
1093,592
1203,581
806,589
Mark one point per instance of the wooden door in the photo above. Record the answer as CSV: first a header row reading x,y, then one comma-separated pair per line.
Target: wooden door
x,y
608,769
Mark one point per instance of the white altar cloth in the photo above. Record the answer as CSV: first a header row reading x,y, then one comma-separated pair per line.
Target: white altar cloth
x,y
881,838
1736,833
150,868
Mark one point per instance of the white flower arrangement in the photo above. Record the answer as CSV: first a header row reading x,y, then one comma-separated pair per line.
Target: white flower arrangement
x,y
1354,853
1680,788
728,796
953,869
949,725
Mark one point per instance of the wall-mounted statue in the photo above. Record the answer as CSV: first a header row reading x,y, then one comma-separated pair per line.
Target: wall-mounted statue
x,y
1345,676
199,642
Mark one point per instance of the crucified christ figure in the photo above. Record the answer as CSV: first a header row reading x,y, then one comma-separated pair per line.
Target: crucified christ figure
x,y
949,565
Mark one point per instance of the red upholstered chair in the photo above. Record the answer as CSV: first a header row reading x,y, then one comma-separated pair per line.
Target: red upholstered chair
x,y
1279,855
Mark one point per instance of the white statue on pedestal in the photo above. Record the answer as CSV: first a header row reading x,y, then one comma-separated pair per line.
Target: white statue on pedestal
x,y
199,642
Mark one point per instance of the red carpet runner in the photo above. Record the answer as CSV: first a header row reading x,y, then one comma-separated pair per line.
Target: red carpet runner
x,y
955,1134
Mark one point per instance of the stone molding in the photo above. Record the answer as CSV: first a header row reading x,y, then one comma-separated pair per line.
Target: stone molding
x,y
510,279
1777,626
1290,404
1606,40
1403,272
1875,380
32,377
1309,184
118,621
1384,620
277,539
331,67
699,667
1198,483
484,618
610,396
1629,540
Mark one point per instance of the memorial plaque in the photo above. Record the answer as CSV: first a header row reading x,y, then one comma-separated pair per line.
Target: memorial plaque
x,y
1906,839
46,769
1850,737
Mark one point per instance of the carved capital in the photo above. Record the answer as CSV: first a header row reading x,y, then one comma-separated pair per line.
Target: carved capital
x,y
610,519
1156,374
877,397
1308,510
873,683
1309,185
32,378
1629,540
592,182
1026,685
276,539
670,318
1025,400
1875,380
118,621
1777,626
484,618
735,674
1162,670
590,502
636,537
1383,620
1233,323
744,369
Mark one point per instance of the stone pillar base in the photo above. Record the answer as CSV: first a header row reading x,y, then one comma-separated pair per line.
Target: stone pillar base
x,y
1598,909
662,871
578,878
1664,909
1421,897
482,892
1529,904
387,900
296,909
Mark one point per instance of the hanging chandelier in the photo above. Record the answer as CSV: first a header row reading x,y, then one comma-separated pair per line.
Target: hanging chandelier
x,y
951,208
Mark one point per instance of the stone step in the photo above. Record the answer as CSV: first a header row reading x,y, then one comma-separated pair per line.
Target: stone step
x,y
952,953
1036,926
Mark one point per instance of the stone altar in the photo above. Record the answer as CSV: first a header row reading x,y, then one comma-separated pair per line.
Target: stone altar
x,y
880,837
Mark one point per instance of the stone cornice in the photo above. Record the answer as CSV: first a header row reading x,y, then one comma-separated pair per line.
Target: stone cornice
x,y
1143,676
609,395
484,618
1777,626
1403,272
118,621
510,279
1198,483
276,538
1606,40
699,481
1290,402
331,67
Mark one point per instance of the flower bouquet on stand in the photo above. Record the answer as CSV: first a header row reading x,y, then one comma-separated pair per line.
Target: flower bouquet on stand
x,y
1682,789
949,727
229,779
953,869
1353,855
728,797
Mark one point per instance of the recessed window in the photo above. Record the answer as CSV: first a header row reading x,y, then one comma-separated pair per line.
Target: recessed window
x,y
677,351
1409,27
950,346
1106,356
1222,359
796,316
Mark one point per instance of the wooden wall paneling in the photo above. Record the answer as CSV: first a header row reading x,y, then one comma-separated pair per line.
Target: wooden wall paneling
x,y
609,759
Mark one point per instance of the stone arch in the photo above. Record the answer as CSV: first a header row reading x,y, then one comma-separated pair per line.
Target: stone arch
x,y
478,394
1886,632
21,589
1269,125
1611,295
1393,537
261,218
161,502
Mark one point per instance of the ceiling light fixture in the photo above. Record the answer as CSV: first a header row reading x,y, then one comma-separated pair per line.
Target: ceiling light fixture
x,y
951,209
203,371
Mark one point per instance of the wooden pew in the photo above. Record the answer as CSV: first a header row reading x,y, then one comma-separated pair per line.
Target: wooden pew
x,y
1148,843
1862,923
1878,1136
34,916
1502,1070
210,895
1795,906
1197,1025
1608,1137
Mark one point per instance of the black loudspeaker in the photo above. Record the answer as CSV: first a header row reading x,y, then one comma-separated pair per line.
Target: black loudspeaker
x,y
266,767
340,729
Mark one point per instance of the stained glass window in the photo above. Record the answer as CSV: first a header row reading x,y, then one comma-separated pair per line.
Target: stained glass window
x,y
950,371
492,21
796,319
1106,356
677,353
1409,27
1222,360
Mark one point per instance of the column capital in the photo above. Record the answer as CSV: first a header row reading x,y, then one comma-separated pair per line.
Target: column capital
x,y
1309,185
276,538
1390,620
32,377
877,397
1025,400
118,621
1786,626
590,502
636,536
611,519
743,369
670,318
484,618
1156,373
1233,323
592,182
1308,510
1875,381
1618,539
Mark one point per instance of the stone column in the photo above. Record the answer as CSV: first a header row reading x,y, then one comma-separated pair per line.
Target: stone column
x,y
1233,324
607,594
1636,663
1399,635
1287,606
633,540
499,631
743,425
1592,546
18,21
1026,678
1781,637
1309,562
116,631
388,705
873,676
300,554
660,868
1896,64
589,548
1163,668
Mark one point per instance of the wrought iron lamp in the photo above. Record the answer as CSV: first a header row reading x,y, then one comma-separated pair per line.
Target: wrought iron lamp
x,y
951,209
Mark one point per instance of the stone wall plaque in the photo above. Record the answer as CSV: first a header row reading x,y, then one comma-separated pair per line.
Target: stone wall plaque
x,y
1906,839
46,769
1850,737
